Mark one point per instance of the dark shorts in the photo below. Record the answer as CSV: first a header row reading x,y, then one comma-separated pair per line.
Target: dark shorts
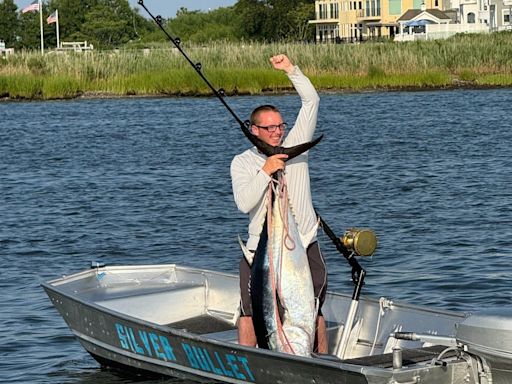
x,y
318,273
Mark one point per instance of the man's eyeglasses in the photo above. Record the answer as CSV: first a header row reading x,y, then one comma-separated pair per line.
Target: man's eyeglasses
x,y
273,128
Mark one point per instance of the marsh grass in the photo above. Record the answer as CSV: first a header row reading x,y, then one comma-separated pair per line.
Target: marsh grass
x,y
240,68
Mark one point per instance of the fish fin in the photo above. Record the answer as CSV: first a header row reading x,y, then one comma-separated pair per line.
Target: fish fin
x,y
249,256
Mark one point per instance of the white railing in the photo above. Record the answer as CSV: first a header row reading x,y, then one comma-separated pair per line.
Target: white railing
x,y
77,46
442,31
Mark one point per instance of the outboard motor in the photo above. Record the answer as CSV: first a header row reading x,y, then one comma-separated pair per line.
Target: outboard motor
x,y
488,334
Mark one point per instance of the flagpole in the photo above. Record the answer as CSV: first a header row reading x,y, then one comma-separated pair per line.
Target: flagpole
x,y
41,24
57,17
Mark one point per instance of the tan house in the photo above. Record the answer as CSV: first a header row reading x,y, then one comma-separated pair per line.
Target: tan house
x,y
358,20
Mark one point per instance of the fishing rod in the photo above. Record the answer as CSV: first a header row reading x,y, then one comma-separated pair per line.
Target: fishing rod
x,y
265,148
344,248
358,272
355,242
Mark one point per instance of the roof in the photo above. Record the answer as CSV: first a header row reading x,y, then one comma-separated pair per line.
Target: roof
x,y
412,13
379,24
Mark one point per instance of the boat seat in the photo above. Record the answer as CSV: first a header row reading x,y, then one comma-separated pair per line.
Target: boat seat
x,y
160,305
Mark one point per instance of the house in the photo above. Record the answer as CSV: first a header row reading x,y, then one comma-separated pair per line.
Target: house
x,y
359,20
497,14
414,22
339,21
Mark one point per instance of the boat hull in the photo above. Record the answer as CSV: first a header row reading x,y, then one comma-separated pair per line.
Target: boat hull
x,y
181,322
120,341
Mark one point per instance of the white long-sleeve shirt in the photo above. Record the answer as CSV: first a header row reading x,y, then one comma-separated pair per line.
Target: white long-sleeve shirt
x,y
250,182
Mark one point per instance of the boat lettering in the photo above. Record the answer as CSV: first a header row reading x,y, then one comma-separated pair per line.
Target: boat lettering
x,y
144,343
158,346
222,364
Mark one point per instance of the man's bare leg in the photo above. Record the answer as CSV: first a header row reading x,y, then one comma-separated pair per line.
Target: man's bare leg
x,y
321,335
246,334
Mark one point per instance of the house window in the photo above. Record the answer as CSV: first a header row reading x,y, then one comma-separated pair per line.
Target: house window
x,y
372,8
334,11
506,16
395,7
471,18
436,3
322,11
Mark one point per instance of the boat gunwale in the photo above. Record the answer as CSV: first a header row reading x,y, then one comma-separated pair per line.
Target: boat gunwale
x,y
83,273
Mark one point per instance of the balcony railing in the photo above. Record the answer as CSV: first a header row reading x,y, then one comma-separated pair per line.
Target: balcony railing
x,y
324,17
368,14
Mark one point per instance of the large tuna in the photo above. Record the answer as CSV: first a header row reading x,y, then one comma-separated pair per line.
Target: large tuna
x,y
283,302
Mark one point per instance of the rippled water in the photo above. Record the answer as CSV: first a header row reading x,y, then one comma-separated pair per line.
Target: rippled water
x,y
143,181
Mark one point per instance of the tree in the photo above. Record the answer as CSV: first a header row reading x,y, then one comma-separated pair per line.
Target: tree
x,y
201,27
301,29
72,17
252,18
9,24
109,23
29,31
274,20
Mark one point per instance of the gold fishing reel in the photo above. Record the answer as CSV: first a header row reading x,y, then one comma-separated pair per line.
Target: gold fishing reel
x,y
361,241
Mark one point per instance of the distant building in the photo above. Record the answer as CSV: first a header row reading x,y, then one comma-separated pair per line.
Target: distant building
x,y
357,20
497,14
5,51
339,21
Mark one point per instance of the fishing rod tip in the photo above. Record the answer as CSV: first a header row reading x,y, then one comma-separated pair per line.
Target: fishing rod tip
x,y
141,2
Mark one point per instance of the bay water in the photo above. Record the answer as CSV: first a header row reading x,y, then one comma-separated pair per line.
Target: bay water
x,y
146,181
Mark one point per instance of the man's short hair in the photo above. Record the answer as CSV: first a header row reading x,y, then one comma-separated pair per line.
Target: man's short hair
x,y
262,108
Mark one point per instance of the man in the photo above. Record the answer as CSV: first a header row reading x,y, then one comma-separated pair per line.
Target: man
x,y
251,174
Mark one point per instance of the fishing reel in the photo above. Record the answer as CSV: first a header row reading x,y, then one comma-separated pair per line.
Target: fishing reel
x,y
360,241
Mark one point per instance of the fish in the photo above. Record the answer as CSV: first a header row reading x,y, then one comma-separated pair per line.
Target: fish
x,y
282,294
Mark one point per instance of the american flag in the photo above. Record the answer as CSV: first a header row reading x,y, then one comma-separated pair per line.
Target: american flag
x,y
52,18
32,7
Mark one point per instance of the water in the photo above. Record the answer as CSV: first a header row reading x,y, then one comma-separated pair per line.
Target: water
x,y
143,181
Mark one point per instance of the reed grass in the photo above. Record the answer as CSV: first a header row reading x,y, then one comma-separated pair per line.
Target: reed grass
x,y
243,68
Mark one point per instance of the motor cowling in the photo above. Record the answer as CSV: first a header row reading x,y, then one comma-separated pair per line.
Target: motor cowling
x,y
488,334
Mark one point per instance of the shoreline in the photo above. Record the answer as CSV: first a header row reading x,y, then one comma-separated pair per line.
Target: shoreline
x,y
461,62
98,95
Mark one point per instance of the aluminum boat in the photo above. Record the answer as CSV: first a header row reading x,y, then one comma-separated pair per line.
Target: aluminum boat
x,y
172,320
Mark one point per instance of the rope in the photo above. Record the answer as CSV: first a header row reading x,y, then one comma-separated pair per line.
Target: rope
x,y
278,190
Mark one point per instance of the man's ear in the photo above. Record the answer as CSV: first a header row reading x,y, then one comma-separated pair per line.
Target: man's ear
x,y
255,130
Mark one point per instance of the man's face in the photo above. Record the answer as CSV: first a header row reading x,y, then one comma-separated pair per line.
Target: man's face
x,y
265,120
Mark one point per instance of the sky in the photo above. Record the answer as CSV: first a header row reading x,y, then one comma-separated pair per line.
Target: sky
x,y
165,8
